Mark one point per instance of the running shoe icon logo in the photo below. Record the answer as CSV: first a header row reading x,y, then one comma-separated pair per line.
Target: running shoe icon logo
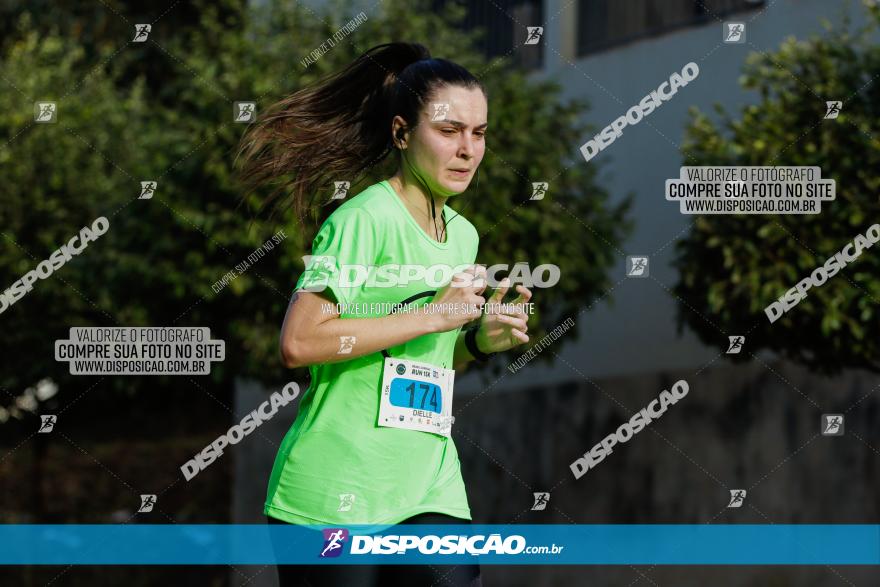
x,y
736,32
736,344
637,266
346,343
541,500
148,188
141,32
148,500
341,189
534,35
346,500
444,424
45,112
539,188
832,108
441,110
47,423
333,541
245,111
737,496
832,424
321,268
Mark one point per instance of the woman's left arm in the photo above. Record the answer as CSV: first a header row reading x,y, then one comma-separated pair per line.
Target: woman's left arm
x,y
462,355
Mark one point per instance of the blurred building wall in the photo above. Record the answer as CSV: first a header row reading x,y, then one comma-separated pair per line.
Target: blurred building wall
x,y
638,334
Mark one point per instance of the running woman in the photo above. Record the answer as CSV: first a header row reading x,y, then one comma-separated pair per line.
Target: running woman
x,y
365,448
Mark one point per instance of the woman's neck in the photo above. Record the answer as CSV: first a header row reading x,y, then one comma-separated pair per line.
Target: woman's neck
x,y
419,202
411,191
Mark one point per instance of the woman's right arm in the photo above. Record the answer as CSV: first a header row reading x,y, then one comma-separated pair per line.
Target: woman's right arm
x,y
312,331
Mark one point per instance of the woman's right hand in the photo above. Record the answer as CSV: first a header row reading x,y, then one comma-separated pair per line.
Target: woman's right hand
x,y
459,301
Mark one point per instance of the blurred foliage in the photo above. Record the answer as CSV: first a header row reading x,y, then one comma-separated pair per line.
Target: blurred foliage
x,y
162,110
732,267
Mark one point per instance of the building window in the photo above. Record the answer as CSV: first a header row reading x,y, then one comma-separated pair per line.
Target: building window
x,y
606,23
504,23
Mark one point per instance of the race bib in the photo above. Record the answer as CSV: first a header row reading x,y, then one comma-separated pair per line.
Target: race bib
x,y
416,396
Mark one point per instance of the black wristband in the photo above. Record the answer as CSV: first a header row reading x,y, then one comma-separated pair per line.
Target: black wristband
x,y
470,341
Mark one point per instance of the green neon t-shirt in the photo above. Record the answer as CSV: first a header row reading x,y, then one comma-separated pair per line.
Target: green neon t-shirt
x,y
336,465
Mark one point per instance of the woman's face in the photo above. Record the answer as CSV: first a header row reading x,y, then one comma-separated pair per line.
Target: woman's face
x,y
450,136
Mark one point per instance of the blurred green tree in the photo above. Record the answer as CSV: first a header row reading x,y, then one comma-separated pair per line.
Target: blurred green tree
x,y
157,263
732,267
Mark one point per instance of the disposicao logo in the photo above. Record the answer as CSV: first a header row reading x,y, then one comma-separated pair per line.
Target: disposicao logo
x,y
334,538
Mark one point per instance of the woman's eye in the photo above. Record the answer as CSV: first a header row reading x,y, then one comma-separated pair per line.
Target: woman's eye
x,y
447,131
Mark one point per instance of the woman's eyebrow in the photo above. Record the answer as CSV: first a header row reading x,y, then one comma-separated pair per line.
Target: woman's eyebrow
x,y
461,124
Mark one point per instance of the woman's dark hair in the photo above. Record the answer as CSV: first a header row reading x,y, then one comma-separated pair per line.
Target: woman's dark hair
x,y
340,127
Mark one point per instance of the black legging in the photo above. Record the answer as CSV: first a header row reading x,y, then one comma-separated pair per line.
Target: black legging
x,y
465,575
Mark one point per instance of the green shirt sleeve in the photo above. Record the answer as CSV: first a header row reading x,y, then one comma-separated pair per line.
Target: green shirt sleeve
x,y
347,237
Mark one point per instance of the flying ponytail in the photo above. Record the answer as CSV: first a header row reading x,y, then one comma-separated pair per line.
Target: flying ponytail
x,y
340,127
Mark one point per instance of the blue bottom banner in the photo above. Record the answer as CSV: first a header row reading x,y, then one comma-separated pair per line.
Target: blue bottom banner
x,y
526,544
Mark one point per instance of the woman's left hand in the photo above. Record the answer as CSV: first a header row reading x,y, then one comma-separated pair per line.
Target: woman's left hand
x,y
502,328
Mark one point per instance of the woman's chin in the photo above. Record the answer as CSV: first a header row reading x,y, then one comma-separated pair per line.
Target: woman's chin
x,y
453,187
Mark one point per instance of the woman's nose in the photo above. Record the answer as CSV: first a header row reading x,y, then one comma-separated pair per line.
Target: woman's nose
x,y
467,146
